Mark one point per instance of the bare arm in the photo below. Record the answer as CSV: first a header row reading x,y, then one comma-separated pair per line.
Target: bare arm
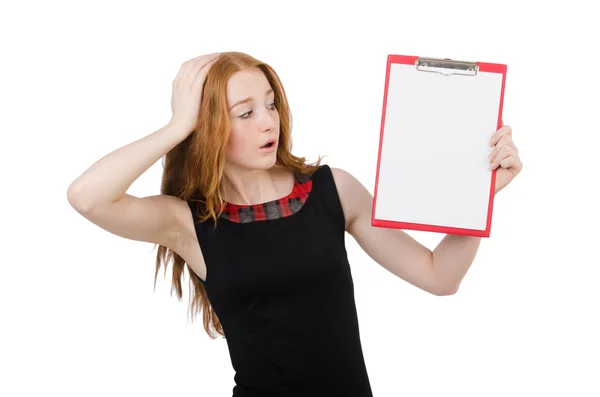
x,y
99,194
439,272
453,257
107,180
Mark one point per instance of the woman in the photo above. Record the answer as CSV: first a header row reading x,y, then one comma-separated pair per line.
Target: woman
x,y
261,231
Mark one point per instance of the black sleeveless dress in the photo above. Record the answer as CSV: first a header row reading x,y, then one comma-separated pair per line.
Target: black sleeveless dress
x,y
279,280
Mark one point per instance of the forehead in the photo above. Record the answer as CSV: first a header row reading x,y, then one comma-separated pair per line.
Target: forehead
x,y
246,83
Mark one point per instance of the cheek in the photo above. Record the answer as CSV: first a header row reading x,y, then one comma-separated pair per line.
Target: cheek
x,y
237,143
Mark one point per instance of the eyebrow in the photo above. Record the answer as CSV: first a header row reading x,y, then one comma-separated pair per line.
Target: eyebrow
x,y
249,99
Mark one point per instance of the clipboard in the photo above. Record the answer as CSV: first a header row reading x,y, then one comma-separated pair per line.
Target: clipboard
x,y
436,123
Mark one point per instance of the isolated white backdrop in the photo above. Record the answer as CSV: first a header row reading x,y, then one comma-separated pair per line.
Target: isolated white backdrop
x,y
79,314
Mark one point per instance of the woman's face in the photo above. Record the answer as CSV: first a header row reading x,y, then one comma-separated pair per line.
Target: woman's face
x,y
254,121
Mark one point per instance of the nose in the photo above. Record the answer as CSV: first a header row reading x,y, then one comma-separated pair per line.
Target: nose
x,y
268,120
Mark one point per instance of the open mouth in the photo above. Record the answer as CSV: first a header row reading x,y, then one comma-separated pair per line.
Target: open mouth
x,y
268,145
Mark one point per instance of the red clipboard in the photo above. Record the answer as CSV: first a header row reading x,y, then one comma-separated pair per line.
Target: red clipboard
x,y
432,169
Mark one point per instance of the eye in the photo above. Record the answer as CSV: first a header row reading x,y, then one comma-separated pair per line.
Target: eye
x,y
248,113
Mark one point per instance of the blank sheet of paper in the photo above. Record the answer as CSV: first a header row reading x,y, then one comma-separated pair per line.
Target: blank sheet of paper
x,y
433,161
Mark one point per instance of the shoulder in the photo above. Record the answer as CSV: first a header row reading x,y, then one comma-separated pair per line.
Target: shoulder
x,y
345,182
342,178
355,199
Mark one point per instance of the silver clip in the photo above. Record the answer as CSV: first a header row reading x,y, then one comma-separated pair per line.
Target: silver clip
x,y
447,66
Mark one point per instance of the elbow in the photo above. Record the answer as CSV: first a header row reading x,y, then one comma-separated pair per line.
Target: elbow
x,y
445,290
74,197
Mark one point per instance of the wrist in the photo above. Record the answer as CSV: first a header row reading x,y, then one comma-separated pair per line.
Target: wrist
x,y
178,128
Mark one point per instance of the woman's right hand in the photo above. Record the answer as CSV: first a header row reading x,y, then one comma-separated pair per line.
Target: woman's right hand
x,y
187,91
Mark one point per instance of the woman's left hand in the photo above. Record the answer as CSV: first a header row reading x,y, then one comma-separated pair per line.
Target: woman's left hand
x,y
505,157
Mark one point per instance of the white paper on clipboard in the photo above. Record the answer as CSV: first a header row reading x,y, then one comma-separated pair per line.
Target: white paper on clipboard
x,y
432,171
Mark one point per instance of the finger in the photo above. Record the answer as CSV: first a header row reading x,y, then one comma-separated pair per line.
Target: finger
x,y
183,73
201,74
503,153
189,66
505,130
197,67
499,160
513,163
506,139
496,149
208,57
180,73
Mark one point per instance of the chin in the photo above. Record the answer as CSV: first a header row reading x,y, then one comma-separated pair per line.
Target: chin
x,y
264,163
268,162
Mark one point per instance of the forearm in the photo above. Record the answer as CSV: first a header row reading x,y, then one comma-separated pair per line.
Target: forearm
x,y
452,258
108,179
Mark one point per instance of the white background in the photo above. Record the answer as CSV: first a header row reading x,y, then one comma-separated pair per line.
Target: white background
x,y
80,79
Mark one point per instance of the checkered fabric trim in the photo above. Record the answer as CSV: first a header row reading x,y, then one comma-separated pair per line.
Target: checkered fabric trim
x,y
280,208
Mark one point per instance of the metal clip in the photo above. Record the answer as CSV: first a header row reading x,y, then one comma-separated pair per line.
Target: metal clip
x,y
447,66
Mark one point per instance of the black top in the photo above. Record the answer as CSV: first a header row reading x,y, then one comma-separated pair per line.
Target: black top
x,y
282,288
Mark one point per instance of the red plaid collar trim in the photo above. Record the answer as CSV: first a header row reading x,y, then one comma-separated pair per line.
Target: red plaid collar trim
x,y
280,208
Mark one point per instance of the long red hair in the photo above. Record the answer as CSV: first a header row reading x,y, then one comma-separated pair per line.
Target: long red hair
x,y
194,169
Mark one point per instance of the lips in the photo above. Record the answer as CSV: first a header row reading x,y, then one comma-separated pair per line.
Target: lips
x,y
268,143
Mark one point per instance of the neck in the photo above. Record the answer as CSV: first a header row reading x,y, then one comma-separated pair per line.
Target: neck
x,y
245,186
